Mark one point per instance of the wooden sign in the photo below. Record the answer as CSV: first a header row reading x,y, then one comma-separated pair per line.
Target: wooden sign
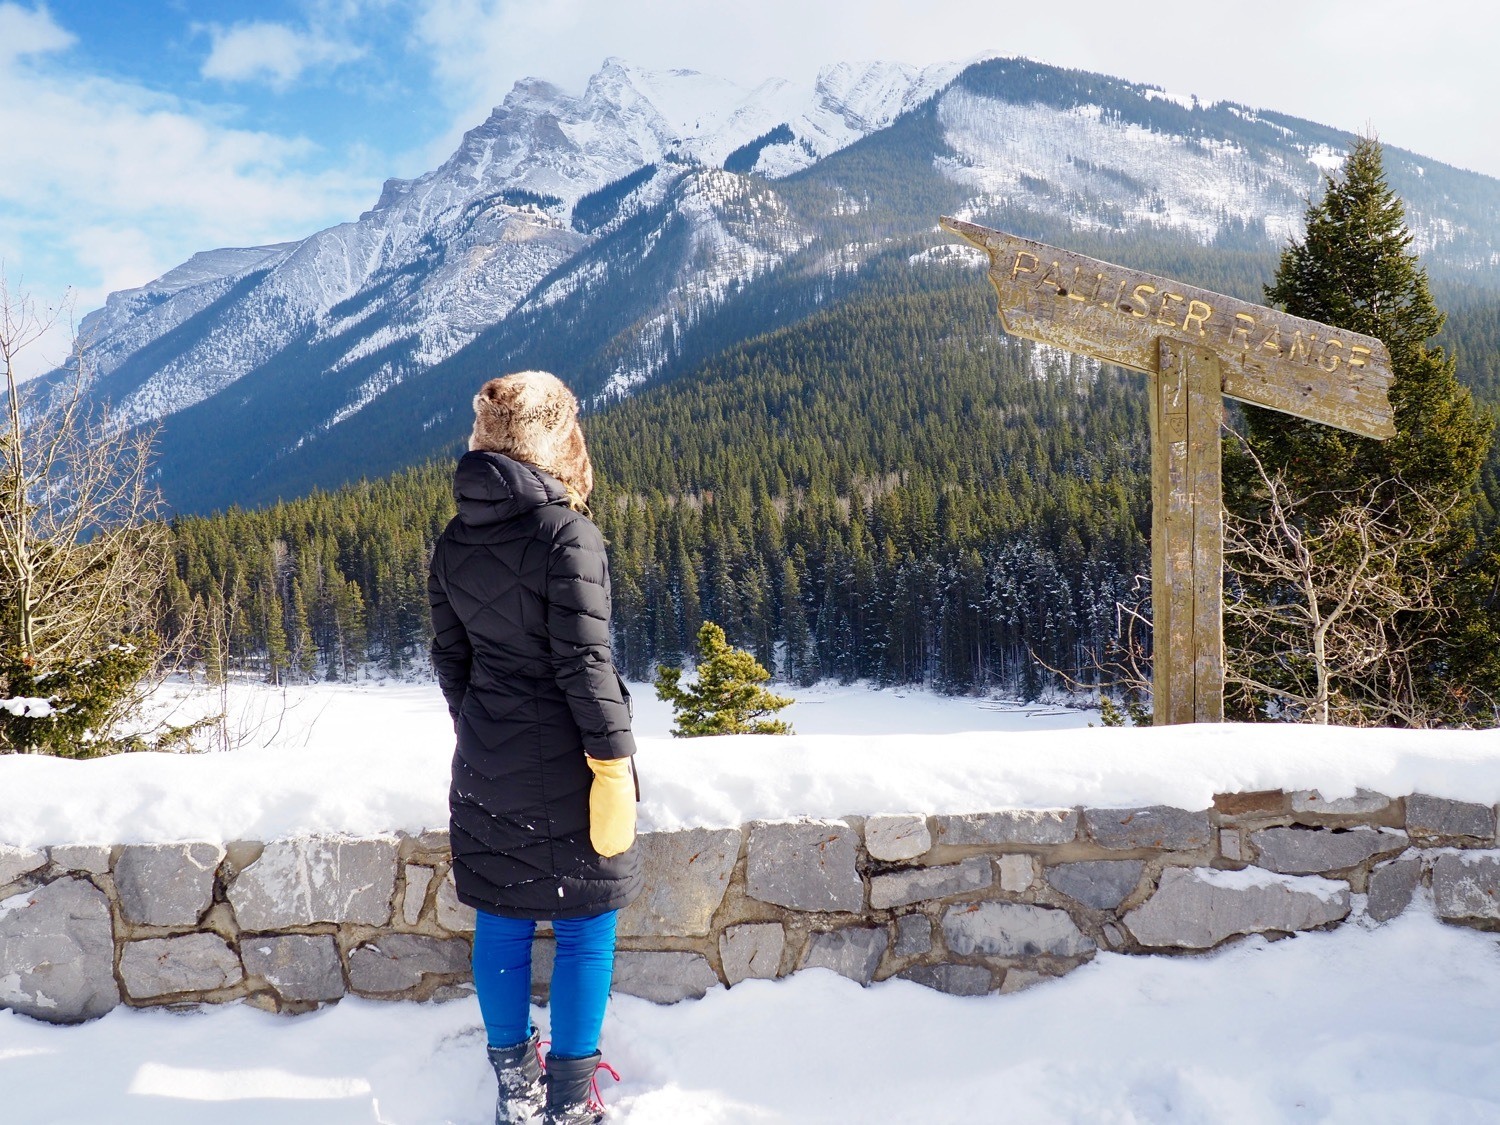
x,y
1269,358
1197,346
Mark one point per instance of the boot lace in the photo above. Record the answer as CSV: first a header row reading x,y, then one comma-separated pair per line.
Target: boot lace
x,y
596,1100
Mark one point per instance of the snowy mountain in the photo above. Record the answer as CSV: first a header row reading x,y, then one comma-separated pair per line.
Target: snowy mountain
x,y
660,215
440,258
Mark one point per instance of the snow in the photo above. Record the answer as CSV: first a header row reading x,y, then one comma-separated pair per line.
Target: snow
x,y
1186,101
374,758
472,258
1325,158
1329,890
1404,1021
1395,1023
27,707
1095,172
971,257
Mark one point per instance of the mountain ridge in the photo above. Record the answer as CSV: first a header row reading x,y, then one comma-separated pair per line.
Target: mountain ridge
x,y
290,346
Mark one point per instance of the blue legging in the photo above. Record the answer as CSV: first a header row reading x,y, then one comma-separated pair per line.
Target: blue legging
x,y
581,975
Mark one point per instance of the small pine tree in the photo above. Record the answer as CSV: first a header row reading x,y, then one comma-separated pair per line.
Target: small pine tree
x,y
728,697
1110,714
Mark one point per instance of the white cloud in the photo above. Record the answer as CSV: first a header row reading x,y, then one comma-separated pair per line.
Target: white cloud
x,y
270,52
106,184
27,32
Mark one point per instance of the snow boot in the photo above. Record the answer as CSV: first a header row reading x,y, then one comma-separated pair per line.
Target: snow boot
x,y
518,1071
571,1098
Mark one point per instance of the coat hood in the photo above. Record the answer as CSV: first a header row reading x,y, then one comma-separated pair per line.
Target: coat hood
x,y
493,488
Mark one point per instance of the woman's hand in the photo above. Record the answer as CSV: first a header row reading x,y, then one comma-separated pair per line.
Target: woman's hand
x,y
611,806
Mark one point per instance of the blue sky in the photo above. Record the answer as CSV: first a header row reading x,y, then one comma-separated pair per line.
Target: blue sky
x,y
348,76
137,132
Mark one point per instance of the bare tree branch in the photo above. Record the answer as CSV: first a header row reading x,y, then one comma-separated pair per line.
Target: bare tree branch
x,y
1316,595
83,550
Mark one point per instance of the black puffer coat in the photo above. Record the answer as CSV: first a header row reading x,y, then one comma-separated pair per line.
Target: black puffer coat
x,y
519,589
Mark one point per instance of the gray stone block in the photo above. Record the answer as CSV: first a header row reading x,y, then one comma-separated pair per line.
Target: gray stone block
x,y
898,837
1010,826
166,884
1013,929
173,965
1102,884
913,935
663,978
1365,802
1308,851
398,962
955,980
1196,908
543,956
317,879
301,967
852,952
1230,844
686,874
1018,980
418,879
1017,873
1158,826
453,915
917,884
90,858
1466,886
752,951
805,865
16,862
57,953
1434,816
1392,886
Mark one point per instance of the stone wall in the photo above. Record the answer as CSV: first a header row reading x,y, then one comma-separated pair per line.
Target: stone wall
x,y
968,904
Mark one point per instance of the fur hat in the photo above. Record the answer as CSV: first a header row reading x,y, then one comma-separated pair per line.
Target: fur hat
x,y
533,417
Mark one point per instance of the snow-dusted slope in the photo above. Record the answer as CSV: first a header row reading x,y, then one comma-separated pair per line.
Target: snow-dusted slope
x,y
1104,154
132,318
440,258
1078,164
729,230
615,223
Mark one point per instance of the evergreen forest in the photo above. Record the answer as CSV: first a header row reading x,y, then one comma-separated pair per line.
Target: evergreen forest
x,y
888,488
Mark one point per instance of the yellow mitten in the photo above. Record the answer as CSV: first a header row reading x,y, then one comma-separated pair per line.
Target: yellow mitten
x,y
611,806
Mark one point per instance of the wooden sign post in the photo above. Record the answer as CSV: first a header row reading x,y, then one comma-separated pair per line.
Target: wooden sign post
x,y
1197,347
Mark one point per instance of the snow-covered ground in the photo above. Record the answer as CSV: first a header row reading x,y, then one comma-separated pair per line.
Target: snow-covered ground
x,y
1366,1024
373,759
1399,1023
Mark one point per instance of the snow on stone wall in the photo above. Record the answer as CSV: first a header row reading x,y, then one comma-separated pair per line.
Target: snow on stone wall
x,y
966,904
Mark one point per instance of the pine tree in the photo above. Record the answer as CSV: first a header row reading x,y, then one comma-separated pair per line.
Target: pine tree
x,y
304,651
278,649
1356,270
727,698
801,656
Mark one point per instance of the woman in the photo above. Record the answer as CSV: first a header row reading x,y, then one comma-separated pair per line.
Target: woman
x,y
542,805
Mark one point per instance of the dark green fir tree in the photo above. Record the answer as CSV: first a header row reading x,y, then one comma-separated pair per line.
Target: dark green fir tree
x,y
1356,269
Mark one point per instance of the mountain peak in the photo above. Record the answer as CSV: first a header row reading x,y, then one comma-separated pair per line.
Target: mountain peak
x,y
528,233
529,93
